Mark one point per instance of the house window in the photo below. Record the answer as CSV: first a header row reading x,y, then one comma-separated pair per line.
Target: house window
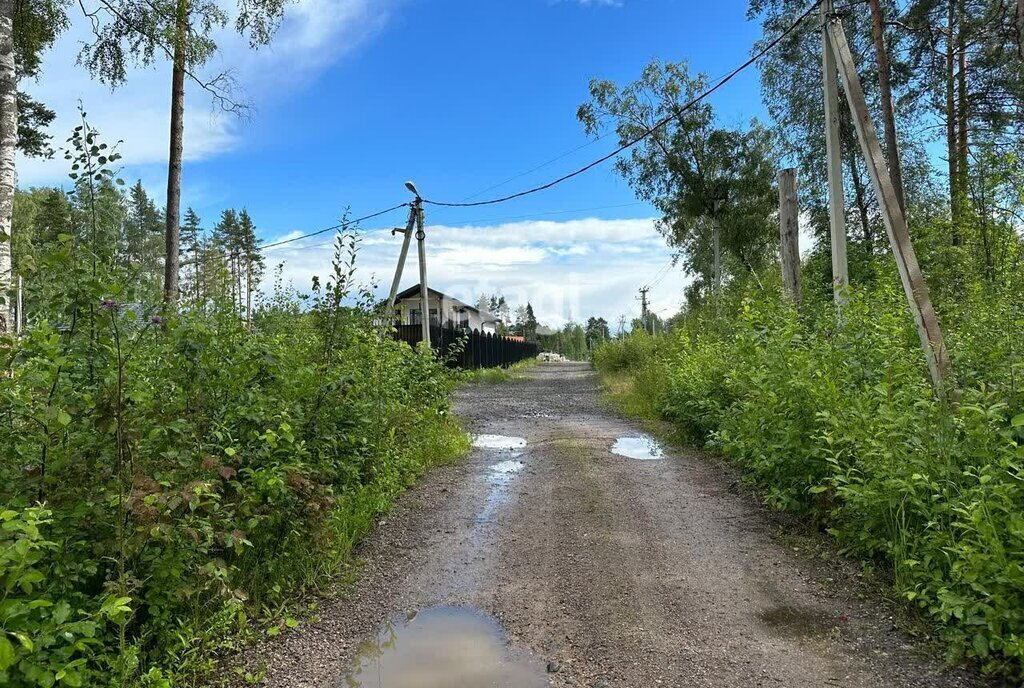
x,y
415,316
434,320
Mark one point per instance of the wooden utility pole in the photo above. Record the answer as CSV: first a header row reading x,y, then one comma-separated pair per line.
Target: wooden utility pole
x,y
789,233
409,227
914,285
424,294
833,149
643,309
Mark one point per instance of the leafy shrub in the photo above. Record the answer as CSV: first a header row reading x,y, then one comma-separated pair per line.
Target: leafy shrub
x,y
166,478
839,424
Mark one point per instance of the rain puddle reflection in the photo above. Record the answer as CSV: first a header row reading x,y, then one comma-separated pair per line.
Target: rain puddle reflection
x,y
642,447
499,475
499,442
442,647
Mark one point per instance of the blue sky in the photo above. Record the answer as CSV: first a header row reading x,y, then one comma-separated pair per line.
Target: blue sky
x,y
356,96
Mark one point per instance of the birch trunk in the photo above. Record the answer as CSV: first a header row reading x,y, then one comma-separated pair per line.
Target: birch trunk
x,y
172,232
892,151
8,146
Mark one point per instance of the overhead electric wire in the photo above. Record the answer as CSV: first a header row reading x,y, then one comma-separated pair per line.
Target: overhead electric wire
x,y
340,225
629,144
637,139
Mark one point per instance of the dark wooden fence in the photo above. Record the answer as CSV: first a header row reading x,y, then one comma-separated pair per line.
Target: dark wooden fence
x,y
463,348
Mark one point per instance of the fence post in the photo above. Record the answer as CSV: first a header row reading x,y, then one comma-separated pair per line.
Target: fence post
x,y
789,233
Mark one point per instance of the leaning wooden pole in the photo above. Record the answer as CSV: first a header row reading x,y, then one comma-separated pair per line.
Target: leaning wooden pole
x,y
833,153
789,234
409,227
914,285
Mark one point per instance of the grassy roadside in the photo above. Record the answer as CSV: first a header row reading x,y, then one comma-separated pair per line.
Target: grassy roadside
x,y
492,376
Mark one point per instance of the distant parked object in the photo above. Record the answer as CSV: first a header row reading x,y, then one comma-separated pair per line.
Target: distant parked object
x,y
549,356
446,311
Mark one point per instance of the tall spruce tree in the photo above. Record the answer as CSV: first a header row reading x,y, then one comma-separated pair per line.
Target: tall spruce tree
x,y
191,252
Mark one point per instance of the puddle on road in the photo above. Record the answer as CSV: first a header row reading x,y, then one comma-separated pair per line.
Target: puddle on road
x,y
499,475
442,647
795,622
642,447
499,442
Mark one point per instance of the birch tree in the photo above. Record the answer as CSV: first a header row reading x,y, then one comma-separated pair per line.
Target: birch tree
x,y
713,185
8,146
27,28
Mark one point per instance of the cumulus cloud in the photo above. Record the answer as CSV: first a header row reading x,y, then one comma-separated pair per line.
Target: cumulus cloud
x,y
567,270
314,34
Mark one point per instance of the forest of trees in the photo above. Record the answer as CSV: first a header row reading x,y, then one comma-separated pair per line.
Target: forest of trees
x,y
127,229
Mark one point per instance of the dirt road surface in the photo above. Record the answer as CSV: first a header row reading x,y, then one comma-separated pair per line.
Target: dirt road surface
x,y
585,568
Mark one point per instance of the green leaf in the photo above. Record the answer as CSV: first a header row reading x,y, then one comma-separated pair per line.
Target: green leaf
x,y
25,641
1018,420
6,653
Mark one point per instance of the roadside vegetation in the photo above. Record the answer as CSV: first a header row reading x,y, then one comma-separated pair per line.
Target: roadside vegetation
x,y
493,376
829,410
172,482
838,423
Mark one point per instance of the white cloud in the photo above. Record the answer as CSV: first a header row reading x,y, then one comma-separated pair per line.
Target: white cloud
x,y
567,270
314,34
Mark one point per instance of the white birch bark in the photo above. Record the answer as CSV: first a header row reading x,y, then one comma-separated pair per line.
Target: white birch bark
x,y
8,146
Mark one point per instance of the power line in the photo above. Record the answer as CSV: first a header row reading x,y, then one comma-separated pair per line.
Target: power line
x,y
538,167
658,125
346,223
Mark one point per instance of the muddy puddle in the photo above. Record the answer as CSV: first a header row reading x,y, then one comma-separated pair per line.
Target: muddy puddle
x,y
499,442
442,647
795,622
640,447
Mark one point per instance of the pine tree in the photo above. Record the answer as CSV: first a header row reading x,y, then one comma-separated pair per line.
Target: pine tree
x,y
530,324
251,258
191,246
141,246
225,236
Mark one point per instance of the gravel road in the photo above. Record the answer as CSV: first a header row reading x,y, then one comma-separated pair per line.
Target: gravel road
x,y
596,570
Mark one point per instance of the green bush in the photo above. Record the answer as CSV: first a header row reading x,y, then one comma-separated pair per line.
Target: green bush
x,y
839,424
165,479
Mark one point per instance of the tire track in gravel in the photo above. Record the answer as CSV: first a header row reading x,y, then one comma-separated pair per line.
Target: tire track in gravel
x,y
617,572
